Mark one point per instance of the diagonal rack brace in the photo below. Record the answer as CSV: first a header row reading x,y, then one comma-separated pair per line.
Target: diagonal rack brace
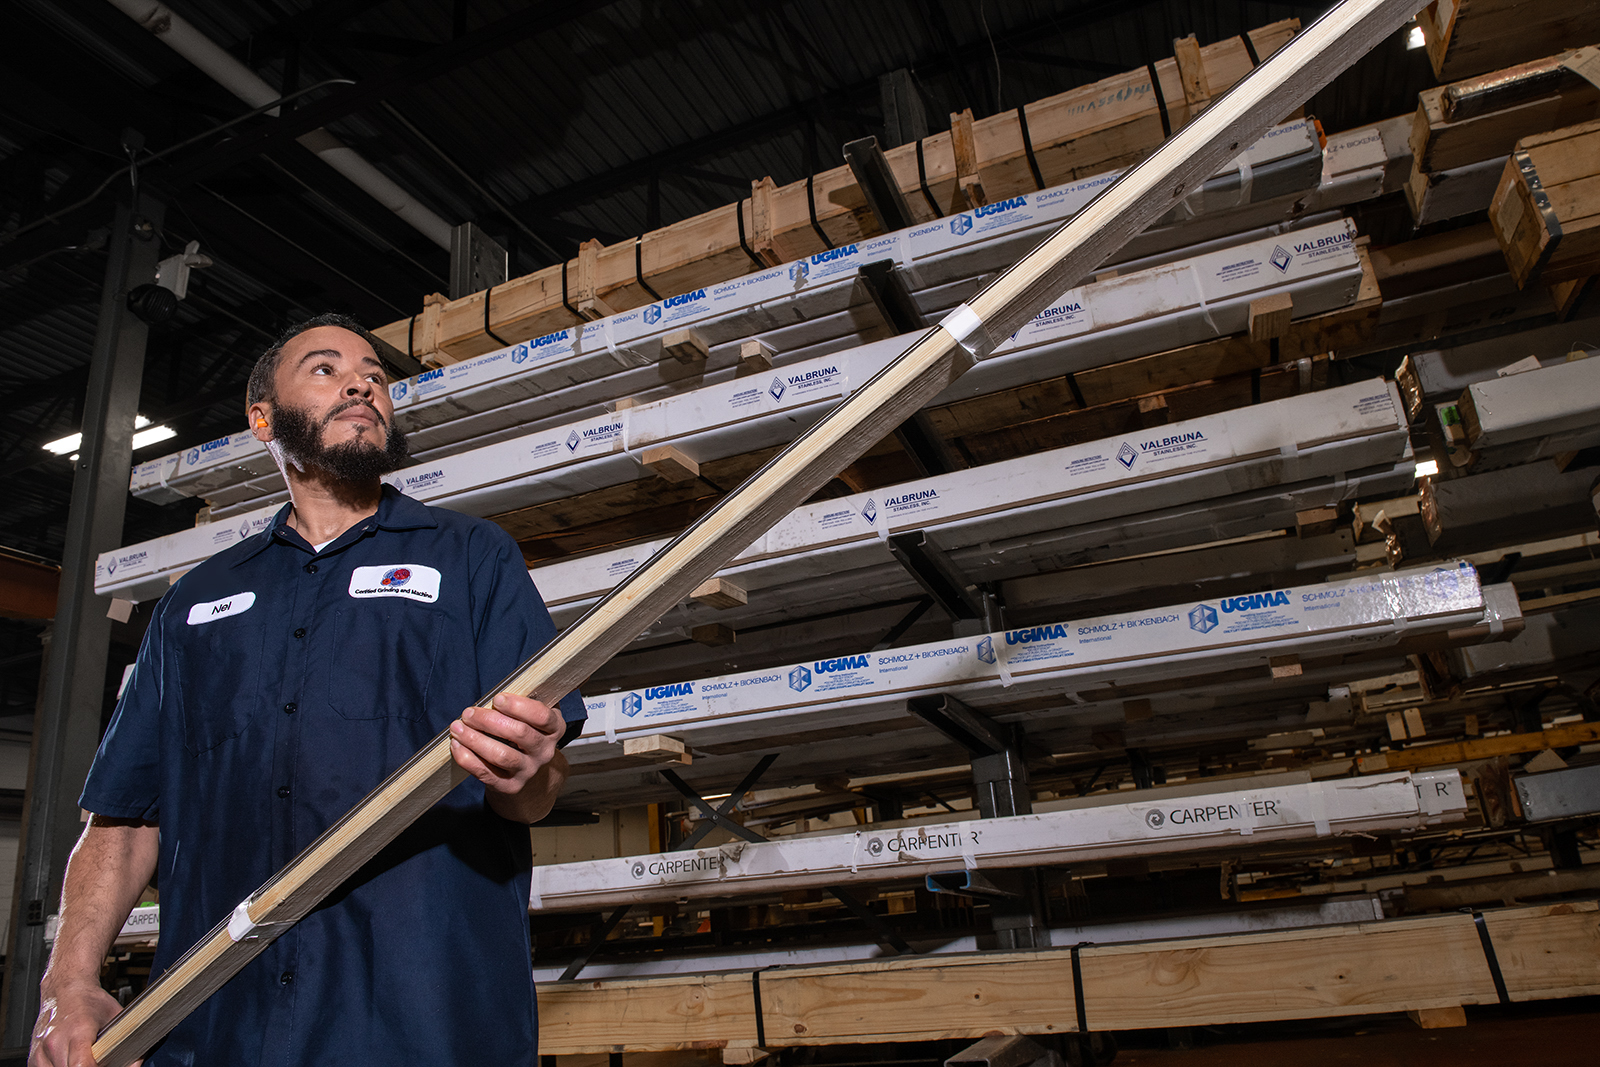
x,y
1282,83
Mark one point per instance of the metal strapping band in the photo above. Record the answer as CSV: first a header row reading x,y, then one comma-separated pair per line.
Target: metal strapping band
x,y
1077,989
411,338
1077,393
1161,100
1250,50
1490,957
488,294
564,301
638,259
922,183
755,995
1027,146
1541,203
811,205
744,244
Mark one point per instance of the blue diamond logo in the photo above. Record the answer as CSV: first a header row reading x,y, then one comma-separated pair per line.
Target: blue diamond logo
x,y
869,511
777,389
1126,455
799,679
631,705
1203,618
572,441
1280,258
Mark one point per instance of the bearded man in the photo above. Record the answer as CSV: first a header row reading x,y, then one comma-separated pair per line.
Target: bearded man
x,y
279,682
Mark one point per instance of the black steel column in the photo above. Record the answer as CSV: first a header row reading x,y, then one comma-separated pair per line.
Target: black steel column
x,y
66,727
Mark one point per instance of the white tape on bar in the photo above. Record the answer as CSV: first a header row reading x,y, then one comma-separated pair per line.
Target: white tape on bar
x,y
855,853
1247,820
1428,798
535,898
1246,179
1317,806
610,721
240,925
963,323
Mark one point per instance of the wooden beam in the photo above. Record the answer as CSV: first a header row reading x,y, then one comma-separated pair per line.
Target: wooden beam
x,y
1191,72
964,145
1483,748
755,356
720,593
1270,315
686,346
1431,965
671,464
1284,81
656,748
712,635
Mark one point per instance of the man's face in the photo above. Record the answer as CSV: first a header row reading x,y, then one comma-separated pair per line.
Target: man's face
x,y
332,409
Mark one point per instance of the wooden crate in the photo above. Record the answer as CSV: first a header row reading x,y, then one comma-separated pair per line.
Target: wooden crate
x,y
1546,209
1440,143
1112,123
1466,37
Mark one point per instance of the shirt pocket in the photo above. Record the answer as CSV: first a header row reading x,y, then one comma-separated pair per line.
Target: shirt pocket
x,y
384,660
220,665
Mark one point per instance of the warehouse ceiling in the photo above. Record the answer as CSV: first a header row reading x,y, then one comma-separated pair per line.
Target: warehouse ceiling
x,y
547,123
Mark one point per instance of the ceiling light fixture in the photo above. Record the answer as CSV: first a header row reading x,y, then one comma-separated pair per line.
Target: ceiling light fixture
x,y
144,434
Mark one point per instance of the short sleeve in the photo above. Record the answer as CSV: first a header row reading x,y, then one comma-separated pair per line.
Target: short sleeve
x,y
510,618
124,780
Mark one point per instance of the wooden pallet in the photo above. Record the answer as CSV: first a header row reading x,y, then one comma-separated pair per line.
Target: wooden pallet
x,y
1419,964
1546,209
1112,123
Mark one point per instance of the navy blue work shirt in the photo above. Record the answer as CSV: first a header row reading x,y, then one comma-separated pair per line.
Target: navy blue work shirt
x,y
278,685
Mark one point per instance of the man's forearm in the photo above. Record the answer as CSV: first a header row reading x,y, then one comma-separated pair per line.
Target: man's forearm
x,y
536,798
110,866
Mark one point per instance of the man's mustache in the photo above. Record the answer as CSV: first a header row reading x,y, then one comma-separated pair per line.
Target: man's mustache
x,y
340,409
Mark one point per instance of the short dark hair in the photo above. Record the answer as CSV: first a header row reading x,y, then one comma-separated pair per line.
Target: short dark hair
x,y
263,376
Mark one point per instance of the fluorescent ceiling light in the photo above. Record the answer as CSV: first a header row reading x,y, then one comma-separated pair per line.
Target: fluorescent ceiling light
x,y
1414,38
72,441
1427,468
152,435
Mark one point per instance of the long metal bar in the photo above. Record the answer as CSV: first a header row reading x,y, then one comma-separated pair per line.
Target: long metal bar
x,y
1280,84
67,720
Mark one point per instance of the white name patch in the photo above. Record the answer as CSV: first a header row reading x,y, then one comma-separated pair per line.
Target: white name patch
x,y
211,610
406,580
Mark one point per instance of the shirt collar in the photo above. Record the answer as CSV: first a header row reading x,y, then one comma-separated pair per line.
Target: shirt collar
x,y
396,511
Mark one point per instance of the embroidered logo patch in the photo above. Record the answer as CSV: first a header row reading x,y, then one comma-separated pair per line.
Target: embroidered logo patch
x,y
212,610
410,580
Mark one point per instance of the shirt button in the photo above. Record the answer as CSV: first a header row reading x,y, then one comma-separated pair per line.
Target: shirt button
x,y
283,791
286,978
290,708
301,632
311,568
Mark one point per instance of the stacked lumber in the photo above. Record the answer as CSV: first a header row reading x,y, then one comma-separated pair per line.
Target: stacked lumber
x,y
1415,964
1465,37
1461,133
1546,209
1112,123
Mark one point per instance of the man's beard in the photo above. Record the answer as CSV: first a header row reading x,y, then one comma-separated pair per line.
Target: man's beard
x,y
355,461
